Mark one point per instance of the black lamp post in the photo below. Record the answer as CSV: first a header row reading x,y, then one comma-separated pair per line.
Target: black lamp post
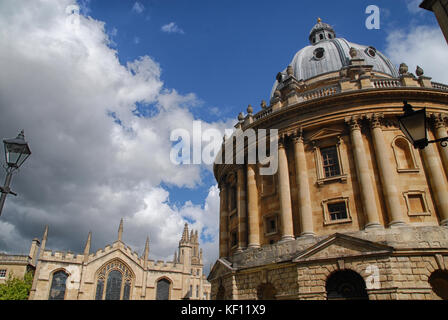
x,y
16,152
413,125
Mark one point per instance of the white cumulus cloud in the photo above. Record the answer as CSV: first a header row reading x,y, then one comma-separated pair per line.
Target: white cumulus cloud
x,y
94,161
422,45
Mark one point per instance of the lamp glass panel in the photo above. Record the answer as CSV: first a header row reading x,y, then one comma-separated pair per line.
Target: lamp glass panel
x,y
413,125
16,154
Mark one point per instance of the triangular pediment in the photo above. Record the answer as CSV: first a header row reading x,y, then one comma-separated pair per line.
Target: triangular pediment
x,y
325,133
219,269
341,246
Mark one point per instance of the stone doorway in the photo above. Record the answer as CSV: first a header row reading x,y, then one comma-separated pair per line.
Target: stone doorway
x,y
346,285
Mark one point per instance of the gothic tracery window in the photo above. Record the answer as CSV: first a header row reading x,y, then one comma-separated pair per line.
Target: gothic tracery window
x,y
58,285
114,282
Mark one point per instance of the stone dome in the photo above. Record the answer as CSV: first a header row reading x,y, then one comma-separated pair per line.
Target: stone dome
x,y
327,53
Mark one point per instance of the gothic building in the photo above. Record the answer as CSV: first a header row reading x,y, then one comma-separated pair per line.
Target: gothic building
x,y
354,211
118,273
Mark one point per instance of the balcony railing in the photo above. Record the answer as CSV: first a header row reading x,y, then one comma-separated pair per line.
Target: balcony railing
x,y
386,83
331,90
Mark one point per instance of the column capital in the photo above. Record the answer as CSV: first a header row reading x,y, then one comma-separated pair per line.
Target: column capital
x,y
375,120
297,137
439,120
354,122
281,141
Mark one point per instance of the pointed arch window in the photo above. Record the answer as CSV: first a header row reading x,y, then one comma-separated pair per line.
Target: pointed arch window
x,y
163,289
58,285
114,282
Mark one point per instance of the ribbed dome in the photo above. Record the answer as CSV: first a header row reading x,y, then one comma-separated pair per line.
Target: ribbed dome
x,y
329,54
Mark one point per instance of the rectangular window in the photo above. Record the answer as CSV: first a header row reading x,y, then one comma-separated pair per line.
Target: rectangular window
x,y
271,225
191,291
337,211
197,291
330,162
2,273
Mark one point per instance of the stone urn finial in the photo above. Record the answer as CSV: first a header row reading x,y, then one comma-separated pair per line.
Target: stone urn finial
x,y
289,71
240,117
353,53
419,71
263,104
403,68
250,110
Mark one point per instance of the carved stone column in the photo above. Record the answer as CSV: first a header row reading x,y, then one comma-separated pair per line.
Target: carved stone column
x,y
285,194
363,175
242,214
252,200
223,221
306,213
390,190
439,188
440,127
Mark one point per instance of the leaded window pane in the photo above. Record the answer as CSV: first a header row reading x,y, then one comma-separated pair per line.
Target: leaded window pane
x,y
99,289
163,289
338,211
113,288
330,162
57,291
127,290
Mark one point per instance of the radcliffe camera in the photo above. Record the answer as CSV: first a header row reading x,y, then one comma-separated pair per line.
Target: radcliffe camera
x,y
223,159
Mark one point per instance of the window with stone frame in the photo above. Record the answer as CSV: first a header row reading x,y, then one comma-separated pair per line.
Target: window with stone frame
x,y
58,285
2,273
326,144
114,282
270,225
330,162
163,289
416,203
336,211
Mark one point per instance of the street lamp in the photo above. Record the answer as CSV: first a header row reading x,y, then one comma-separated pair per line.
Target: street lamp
x,y
16,152
413,125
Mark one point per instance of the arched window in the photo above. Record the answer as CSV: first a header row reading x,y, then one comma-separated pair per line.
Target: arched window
x,y
114,282
404,156
163,289
57,289
346,285
439,283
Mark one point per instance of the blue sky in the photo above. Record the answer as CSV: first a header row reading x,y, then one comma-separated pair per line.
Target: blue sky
x,y
102,97
228,52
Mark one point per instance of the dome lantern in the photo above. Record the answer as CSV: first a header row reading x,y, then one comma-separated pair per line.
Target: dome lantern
x,y
321,32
